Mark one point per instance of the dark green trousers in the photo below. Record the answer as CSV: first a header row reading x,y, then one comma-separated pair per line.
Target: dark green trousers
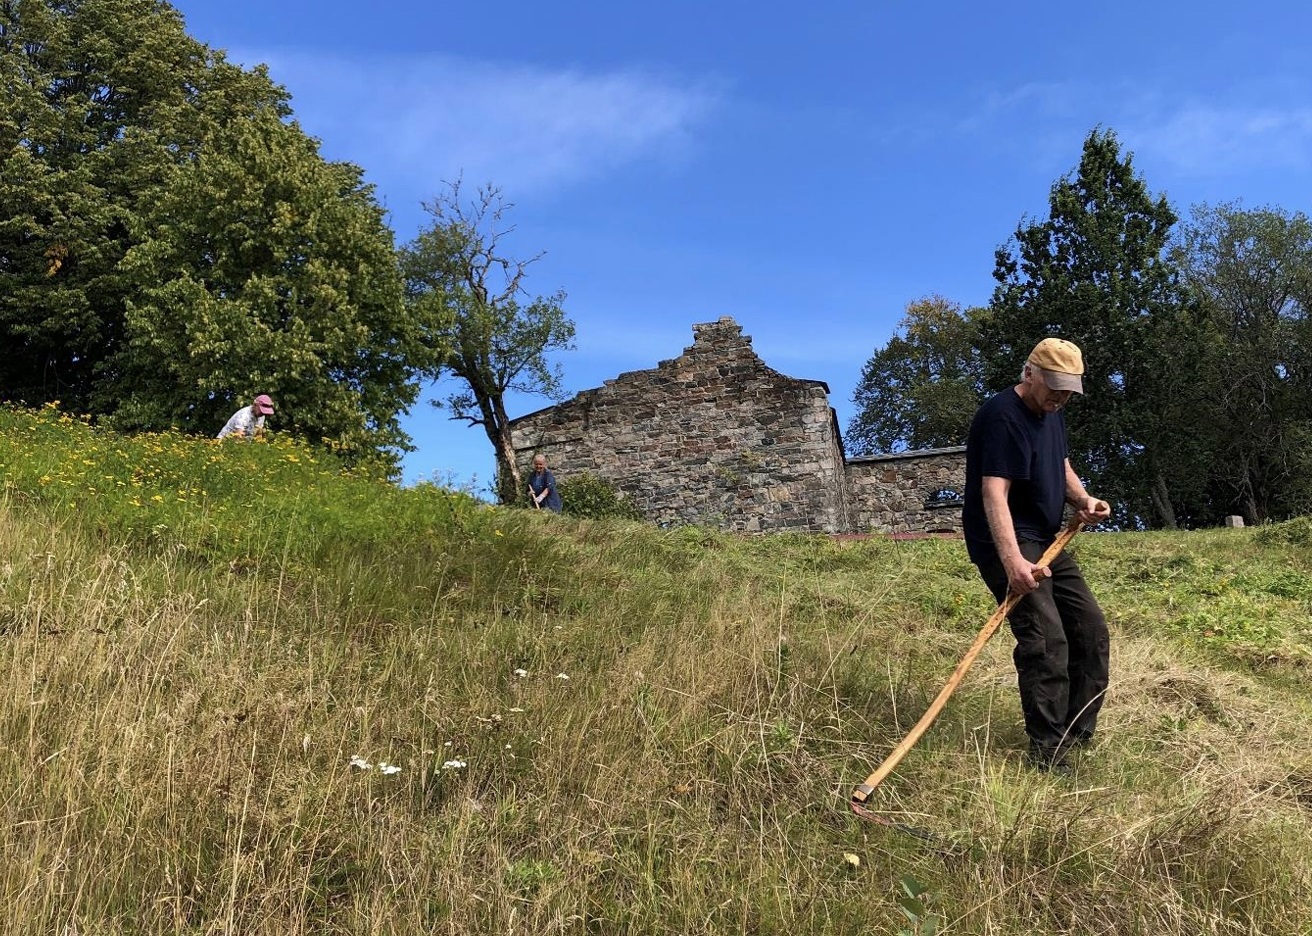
x,y
1061,653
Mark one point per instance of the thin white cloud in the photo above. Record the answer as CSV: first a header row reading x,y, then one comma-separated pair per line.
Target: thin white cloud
x,y
417,122
1041,101
1204,139
1259,126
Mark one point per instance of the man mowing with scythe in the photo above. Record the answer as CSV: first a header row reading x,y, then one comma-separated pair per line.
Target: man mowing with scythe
x,y
1018,479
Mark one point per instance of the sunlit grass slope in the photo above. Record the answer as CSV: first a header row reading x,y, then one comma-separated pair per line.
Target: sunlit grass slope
x,y
246,692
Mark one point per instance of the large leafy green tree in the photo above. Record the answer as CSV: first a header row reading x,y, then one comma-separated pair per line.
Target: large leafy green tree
x,y
100,98
263,268
1096,272
1251,271
170,243
460,281
921,389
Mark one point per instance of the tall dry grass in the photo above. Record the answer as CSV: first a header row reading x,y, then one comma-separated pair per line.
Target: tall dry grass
x,y
606,728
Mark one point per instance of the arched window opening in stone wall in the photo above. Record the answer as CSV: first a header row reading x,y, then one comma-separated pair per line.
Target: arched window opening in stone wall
x,y
944,498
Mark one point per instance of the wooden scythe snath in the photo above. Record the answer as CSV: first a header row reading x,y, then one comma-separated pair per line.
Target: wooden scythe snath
x,y
861,795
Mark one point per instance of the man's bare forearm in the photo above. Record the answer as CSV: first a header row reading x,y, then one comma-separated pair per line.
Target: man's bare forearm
x,y
998,514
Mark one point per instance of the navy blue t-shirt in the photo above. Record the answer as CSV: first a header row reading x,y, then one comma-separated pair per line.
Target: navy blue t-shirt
x,y
540,482
1008,440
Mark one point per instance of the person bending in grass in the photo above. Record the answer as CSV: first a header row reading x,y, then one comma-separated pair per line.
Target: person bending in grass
x,y
248,422
542,486
1018,479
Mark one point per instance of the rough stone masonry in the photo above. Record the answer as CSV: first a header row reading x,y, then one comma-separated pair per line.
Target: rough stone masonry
x,y
716,437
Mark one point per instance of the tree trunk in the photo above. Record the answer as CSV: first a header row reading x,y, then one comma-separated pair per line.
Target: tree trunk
x,y
510,483
1161,498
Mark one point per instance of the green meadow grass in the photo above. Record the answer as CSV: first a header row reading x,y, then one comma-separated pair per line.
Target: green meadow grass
x,y
217,654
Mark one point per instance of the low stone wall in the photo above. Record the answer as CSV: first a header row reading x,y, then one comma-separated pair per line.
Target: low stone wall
x,y
896,493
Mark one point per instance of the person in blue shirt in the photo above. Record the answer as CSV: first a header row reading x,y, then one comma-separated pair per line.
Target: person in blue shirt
x,y
1019,479
542,486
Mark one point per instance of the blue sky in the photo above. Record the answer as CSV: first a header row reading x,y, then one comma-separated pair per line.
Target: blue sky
x,y
808,171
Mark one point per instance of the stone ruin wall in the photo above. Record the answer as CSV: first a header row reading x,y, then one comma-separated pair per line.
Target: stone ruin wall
x,y
896,493
712,437
716,437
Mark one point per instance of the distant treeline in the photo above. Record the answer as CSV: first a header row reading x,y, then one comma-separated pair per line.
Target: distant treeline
x,y
1196,340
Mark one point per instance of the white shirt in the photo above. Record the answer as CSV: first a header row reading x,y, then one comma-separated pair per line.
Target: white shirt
x,y
243,423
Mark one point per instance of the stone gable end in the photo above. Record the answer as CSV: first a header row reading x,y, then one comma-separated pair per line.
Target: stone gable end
x,y
717,437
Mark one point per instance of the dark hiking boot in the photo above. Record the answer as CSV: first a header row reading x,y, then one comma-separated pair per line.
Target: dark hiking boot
x,y
1048,760
1081,739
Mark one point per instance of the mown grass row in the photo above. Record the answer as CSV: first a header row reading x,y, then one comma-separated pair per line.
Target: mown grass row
x,y
600,727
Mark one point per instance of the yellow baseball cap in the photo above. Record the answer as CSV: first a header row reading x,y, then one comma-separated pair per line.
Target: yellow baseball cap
x,y
1061,362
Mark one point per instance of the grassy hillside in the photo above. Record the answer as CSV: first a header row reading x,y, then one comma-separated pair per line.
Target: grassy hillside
x,y
246,692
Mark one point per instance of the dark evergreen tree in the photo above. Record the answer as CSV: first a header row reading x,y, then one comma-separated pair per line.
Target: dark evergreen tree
x,y
1097,273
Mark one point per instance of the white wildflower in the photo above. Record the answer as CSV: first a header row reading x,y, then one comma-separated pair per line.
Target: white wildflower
x,y
388,769
562,675
521,673
360,763
454,765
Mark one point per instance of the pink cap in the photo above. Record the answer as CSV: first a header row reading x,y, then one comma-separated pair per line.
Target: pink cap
x,y
263,405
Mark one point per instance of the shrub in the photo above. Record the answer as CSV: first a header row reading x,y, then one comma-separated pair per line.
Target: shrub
x,y
588,496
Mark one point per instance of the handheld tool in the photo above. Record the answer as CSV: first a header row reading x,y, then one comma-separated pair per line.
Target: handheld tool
x,y
861,795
